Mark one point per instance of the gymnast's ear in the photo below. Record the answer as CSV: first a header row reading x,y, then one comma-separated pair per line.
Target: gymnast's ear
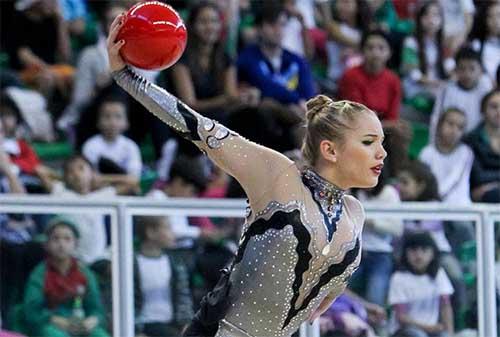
x,y
328,150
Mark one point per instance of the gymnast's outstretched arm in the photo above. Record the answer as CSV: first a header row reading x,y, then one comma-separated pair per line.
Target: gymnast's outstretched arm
x,y
254,166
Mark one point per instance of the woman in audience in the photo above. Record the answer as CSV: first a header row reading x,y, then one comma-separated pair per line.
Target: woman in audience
x,y
205,77
485,142
345,29
486,36
424,63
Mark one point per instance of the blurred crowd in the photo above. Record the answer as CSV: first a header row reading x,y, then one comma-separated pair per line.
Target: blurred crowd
x,y
429,69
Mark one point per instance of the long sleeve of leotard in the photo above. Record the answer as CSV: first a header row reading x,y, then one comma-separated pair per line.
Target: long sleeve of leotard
x,y
254,166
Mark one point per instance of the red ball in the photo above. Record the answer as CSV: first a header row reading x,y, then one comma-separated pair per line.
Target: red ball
x,y
155,36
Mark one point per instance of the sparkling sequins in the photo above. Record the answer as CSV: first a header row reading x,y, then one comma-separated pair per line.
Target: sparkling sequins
x,y
329,199
217,133
213,142
208,124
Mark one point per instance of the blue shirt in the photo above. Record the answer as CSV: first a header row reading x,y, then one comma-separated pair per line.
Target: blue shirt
x,y
293,81
73,9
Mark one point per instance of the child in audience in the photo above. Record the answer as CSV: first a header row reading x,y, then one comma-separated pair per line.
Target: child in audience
x,y
110,151
62,297
162,294
464,93
449,159
419,293
80,180
417,183
24,159
372,83
9,181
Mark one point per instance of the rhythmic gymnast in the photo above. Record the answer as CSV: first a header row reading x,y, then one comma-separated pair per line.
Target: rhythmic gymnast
x,y
302,236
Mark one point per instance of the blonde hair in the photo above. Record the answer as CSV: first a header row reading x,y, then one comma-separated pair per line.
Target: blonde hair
x,y
328,119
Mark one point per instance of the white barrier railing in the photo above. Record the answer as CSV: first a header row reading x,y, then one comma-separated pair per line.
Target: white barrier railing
x,y
121,210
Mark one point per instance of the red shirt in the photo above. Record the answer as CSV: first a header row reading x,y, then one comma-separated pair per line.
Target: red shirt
x,y
27,160
381,92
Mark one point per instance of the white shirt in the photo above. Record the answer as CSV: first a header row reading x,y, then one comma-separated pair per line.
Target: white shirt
x,y
469,101
123,151
156,275
491,56
420,293
380,237
292,37
452,172
92,242
341,57
454,15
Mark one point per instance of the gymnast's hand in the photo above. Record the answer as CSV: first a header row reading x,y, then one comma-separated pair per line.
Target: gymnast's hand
x,y
116,62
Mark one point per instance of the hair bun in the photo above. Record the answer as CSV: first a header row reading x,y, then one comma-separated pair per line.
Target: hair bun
x,y
315,105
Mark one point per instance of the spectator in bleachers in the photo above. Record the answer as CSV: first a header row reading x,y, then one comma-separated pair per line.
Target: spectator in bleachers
x,y
80,180
397,144
75,14
458,18
205,76
387,19
187,179
296,37
486,36
384,17
14,228
464,93
162,295
62,297
34,121
348,23
372,83
406,9
485,143
419,292
425,64
110,151
41,48
278,73
378,234
92,73
246,30
449,159
417,183
23,157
